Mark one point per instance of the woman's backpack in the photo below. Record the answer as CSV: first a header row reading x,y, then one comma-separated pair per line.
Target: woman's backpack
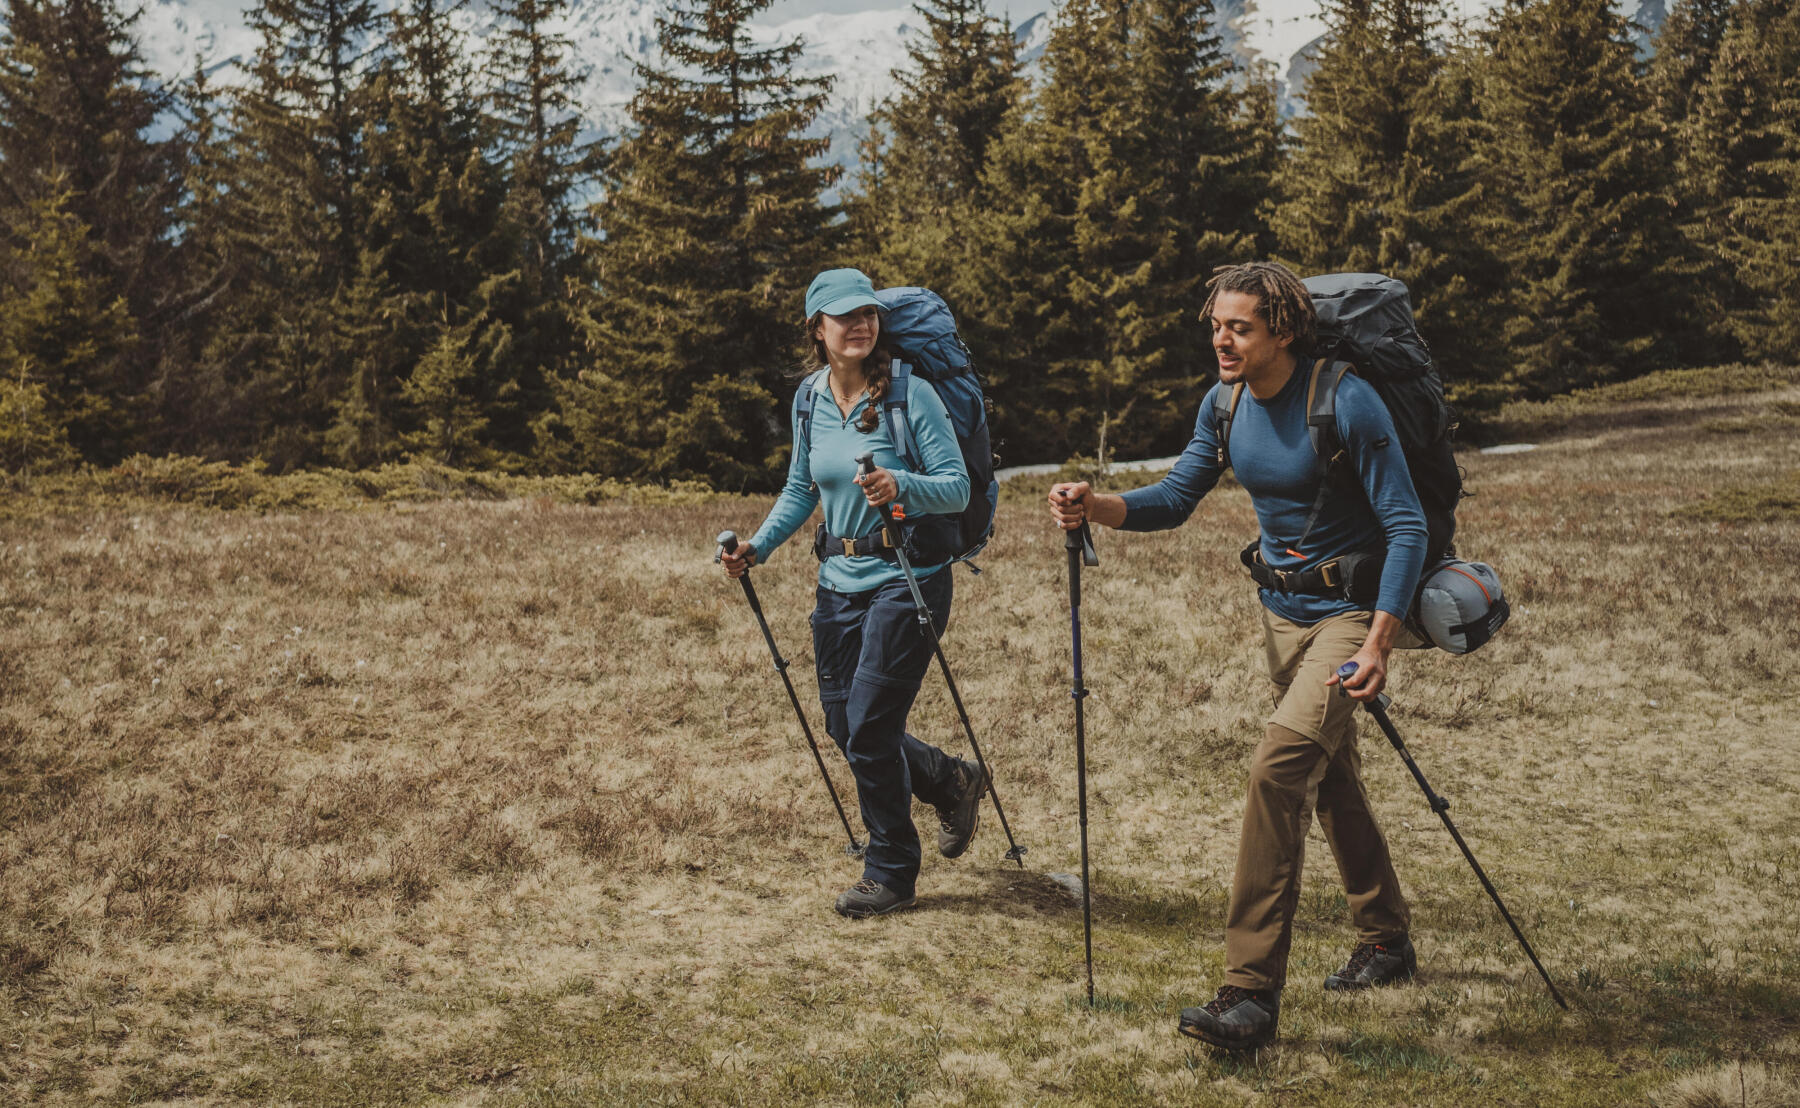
x,y
918,327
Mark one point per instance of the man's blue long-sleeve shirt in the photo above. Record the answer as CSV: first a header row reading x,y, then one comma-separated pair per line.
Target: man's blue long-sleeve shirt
x,y
1274,460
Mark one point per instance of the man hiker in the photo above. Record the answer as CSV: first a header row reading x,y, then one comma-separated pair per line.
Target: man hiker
x,y
1262,330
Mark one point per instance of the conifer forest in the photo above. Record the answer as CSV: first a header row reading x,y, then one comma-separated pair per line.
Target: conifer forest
x,y
379,241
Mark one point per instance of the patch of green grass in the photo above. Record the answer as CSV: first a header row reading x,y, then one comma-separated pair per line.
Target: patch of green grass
x,y
1534,418
1385,1054
143,482
1757,503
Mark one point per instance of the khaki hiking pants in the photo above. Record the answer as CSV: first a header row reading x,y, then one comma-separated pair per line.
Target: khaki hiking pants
x,y
1307,760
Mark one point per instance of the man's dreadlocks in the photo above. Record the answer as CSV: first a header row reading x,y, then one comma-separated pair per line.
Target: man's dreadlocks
x,y
1281,299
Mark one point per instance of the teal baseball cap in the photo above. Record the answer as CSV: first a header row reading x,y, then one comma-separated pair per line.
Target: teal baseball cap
x,y
839,292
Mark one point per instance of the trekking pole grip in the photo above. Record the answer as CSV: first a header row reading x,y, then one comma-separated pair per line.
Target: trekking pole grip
x,y
728,542
866,463
1080,539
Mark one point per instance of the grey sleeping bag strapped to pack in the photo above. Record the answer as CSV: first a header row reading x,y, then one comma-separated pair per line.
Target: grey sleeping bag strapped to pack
x,y
1460,606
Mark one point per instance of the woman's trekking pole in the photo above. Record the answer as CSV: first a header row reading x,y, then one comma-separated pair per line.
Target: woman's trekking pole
x,y
1080,545
1014,852
728,542
1378,708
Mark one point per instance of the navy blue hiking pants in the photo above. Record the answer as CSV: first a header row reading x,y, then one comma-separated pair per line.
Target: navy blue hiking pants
x,y
871,655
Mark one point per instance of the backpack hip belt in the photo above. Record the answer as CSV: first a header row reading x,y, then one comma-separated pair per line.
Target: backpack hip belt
x,y
1340,576
875,544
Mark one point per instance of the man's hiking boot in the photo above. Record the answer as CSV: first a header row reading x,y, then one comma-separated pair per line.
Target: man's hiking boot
x,y
957,823
1374,964
869,897
1236,1019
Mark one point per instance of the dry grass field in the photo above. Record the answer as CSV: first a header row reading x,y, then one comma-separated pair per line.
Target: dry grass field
x,y
501,803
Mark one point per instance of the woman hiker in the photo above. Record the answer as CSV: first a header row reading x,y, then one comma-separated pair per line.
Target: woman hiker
x,y
869,650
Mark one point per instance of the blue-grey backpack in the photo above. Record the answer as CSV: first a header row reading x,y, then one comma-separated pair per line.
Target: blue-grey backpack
x,y
917,326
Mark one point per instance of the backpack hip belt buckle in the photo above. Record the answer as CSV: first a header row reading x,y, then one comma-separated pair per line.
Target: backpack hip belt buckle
x,y
849,547
1332,574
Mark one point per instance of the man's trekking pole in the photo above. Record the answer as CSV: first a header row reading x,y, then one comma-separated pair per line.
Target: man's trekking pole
x,y
1378,708
1015,852
1080,545
728,542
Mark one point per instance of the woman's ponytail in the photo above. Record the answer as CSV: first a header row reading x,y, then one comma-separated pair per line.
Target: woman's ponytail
x,y
875,367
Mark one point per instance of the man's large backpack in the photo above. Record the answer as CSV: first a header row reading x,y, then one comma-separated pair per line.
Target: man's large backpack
x,y
1365,326
918,327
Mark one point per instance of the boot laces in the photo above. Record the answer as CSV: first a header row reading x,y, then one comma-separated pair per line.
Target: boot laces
x,y
947,816
1361,957
1230,996
866,886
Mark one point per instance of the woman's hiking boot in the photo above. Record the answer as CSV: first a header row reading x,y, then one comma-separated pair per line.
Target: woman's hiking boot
x,y
958,821
1236,1019
869,897
1374,964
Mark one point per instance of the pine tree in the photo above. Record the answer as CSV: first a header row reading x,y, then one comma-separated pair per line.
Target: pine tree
x,y
60,326
194,408
428,242
1581,212
1031,303
443,387
1137,169
1199,146
1686,45
1745,176
1687,49
292,220
1376,181
713,227
922,182
550,170
77,115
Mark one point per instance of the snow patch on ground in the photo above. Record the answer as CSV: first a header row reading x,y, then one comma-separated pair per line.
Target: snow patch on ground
x,y
1046,468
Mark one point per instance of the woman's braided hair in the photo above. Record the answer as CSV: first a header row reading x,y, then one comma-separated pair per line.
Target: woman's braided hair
x,y
875,368
1281,299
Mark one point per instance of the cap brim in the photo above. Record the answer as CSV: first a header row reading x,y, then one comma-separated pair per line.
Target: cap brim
x,y
844,305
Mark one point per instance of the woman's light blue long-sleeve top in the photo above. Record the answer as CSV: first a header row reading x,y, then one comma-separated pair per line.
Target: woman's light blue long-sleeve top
x,y
824,474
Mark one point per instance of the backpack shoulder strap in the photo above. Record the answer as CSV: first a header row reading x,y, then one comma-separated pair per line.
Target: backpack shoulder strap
x,y
1224,407
804,400
1321,428
1321,411
894,414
